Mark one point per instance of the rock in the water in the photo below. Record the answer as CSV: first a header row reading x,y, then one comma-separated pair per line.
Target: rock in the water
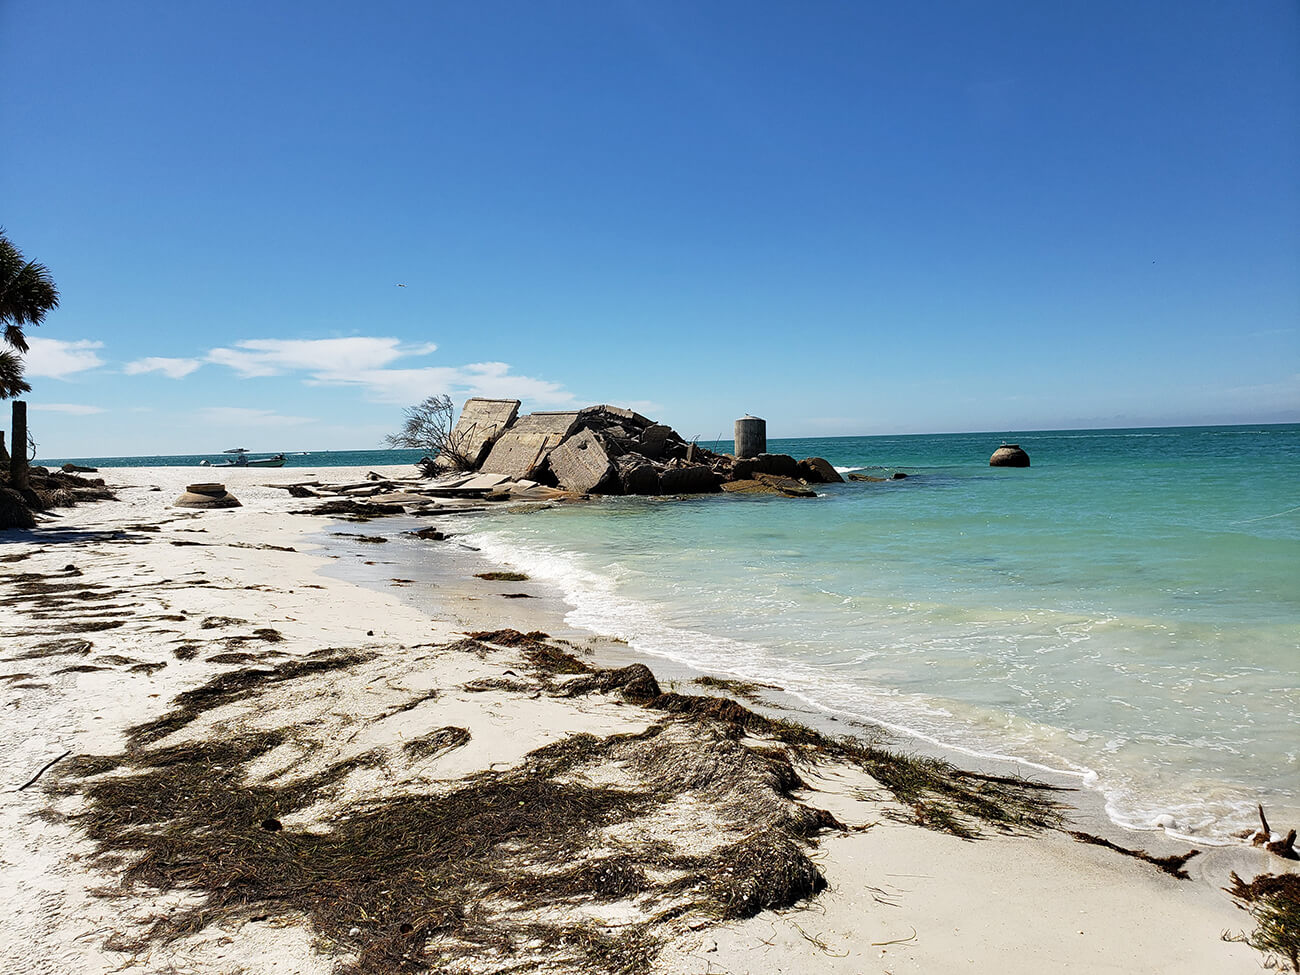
x,y
749,486
788,486
206,496
818,470
1009,455
783,465
689,479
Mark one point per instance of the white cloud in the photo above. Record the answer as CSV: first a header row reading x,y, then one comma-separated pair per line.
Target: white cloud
x,y
77,409
244,416
364,362
171,368
322,357
404,386
57,359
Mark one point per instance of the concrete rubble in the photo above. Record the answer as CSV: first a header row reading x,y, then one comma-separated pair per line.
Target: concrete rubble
x,y
481,422
604,449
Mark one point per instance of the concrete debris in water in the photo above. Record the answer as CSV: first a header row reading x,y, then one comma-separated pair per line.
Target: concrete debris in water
x,y
609,450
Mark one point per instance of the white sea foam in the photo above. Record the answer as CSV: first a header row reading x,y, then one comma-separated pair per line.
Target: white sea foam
x,y
1136,631
597,605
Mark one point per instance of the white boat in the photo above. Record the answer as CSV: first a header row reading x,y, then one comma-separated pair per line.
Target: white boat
x,y
241,460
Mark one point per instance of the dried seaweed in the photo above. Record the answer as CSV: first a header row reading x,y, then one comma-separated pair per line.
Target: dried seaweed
x,y
1273,900
229,687
1172,865
510,638
437,742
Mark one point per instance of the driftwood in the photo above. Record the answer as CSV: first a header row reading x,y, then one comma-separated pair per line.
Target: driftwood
x,y
1284,847
43,769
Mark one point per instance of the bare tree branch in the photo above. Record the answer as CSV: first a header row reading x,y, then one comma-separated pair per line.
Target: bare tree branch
x,y
428,426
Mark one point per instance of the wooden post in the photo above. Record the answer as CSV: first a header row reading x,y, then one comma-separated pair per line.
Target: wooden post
x,y
18,459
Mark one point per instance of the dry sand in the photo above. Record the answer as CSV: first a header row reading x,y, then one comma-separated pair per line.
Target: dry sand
x,y
170,589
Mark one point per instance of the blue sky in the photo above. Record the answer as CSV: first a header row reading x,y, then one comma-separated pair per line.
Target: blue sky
x,y
850,218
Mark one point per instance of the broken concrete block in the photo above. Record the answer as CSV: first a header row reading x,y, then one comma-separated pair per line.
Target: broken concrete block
x,y
780,464
818,470
604,415
691,479
525,445
654,440
581,463
637,475
481,422
788,486
749,487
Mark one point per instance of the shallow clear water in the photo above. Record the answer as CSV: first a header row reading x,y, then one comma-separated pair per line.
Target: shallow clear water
x,y
1127,608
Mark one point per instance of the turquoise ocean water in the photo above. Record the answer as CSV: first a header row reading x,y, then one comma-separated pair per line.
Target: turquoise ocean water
x,y
1127,609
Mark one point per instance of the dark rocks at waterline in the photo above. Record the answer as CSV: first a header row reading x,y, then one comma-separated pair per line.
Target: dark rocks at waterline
x,y
608,450
1009,455
871,478
818,470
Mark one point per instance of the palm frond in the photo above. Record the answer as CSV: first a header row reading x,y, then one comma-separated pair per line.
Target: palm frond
x,y
27,293
11,376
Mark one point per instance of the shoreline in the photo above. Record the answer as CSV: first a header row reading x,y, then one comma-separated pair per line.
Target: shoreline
x,y
337,612
551,606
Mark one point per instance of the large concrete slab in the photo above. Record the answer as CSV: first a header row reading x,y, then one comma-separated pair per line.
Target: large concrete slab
x,y
525,445
580,463
617,413
481,422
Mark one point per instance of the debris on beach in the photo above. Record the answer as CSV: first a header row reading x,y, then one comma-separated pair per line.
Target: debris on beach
x,y
208,495
603,450
23,507
586,853
1273,900
1275,843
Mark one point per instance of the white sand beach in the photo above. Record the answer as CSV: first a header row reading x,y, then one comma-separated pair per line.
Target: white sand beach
x,y
367,707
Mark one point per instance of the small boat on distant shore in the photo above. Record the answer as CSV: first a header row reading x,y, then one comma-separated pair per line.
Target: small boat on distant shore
x,y
241,460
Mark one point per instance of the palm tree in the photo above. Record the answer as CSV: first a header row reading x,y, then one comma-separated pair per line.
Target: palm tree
x,y
27,293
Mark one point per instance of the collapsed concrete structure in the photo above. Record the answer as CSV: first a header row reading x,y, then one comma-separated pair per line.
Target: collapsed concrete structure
x,y
609,450
481,422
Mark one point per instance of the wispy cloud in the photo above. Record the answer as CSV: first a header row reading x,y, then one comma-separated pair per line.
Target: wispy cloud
x,y
366,362
77,409
171,368
322,357
228,416
57,359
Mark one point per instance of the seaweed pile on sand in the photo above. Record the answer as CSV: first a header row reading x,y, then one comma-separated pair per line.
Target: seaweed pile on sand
x,y
1273,901
584,855
23,505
